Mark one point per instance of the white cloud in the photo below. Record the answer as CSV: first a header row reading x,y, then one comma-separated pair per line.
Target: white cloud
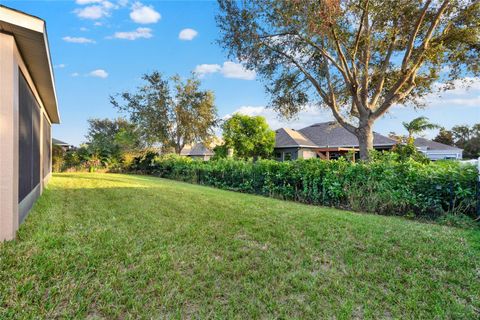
x,y
99,9
306,117
133,35
203,69
59,66
99,73
98,24
75,74
187,34
228,70
83,2
78,39
83,29
466,93
237,71
92,12
144,14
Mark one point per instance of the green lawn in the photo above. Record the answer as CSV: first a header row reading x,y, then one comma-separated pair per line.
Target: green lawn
x,y
118,246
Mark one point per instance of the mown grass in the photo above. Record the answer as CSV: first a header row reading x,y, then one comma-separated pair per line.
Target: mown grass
x,y
118,246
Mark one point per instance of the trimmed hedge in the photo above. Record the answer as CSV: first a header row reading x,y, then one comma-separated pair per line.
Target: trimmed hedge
x,y
382,186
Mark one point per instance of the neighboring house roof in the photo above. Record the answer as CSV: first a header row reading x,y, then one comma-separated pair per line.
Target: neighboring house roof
x,y
197,149
285,137
59,143
433,145
31,38
325,134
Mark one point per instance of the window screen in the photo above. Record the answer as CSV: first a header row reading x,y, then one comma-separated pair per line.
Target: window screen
x,y
36,146
47,152
29,140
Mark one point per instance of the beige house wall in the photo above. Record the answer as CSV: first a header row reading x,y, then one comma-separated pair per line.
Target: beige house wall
x,y
8,139
11,63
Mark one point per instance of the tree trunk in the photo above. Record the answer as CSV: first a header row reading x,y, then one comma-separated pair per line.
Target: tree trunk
x,y
365,139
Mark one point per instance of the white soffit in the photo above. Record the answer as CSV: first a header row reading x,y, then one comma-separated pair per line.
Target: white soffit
x,y
31,37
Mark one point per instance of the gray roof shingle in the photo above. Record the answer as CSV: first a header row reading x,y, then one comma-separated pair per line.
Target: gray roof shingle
x,y
332,134
285,137
57,142
432,145
198,149
325,134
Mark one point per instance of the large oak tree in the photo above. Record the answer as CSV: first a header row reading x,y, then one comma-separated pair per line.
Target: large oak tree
x,y
355,57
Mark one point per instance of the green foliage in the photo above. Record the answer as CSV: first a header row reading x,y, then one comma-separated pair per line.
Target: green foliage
x,y
249,136
458,220
143,163
109,139
57,158
409,151
468,139
384,186
170,112
220,152
445,136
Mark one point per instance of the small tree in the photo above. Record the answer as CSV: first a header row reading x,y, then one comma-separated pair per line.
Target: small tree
x,y
417,126
468,138
250,137
356,57
444,136
171,112
111,138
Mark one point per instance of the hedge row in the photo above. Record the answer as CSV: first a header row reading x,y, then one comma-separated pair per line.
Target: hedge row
x,y
382,186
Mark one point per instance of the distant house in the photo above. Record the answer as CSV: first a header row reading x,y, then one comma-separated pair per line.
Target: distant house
x,y
438,151
65,146
197,151
327,140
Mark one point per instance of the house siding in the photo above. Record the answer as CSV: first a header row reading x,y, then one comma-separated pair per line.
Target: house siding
x,y
23,140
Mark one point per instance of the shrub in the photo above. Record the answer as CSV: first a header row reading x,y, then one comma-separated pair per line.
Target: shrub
x,y
57,158
384,186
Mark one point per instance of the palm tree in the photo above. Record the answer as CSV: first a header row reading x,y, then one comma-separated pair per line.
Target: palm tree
x,y
418,125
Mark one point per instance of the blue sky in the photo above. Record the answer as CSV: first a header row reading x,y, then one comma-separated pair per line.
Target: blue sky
x,y
103,47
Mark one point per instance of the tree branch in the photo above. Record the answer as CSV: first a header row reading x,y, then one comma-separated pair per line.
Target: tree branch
x,y
327,55
302,69
383,70
340,53
413,36
411,73
333,105
360,29
429,34
366,63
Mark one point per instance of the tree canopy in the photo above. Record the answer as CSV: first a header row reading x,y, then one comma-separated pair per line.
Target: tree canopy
x,y
111,138
468,139
170,112
444,136
249,136
354,57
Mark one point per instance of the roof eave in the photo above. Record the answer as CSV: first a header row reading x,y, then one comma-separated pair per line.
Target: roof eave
x,y
30,32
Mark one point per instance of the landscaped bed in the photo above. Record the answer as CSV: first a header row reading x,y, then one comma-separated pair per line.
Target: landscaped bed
x,y
120,246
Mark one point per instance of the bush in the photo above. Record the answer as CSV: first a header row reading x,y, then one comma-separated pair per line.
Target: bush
x,y
383,186
58,160
458,220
